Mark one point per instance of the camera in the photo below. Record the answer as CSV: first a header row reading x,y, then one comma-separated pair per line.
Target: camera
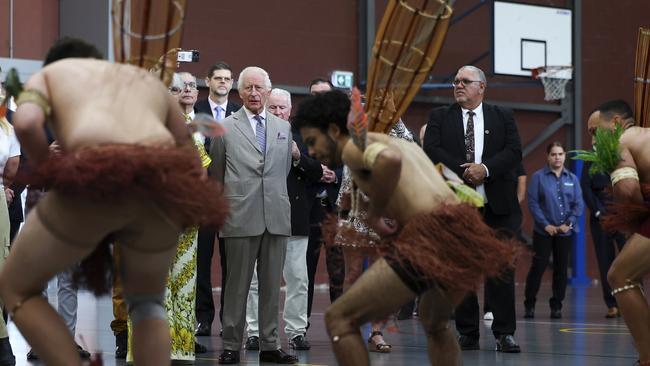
x,y
188,56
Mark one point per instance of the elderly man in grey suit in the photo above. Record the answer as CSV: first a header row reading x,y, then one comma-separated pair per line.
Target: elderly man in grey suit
x,y
253,161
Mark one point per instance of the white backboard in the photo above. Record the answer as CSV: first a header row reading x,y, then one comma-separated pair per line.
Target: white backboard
x,y
529,36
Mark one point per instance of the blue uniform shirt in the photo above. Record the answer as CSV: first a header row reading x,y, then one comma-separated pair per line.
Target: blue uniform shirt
x,y
554,200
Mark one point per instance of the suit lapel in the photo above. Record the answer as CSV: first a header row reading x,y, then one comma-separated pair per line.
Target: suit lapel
x,y
271,133
459,131
243,125
489,119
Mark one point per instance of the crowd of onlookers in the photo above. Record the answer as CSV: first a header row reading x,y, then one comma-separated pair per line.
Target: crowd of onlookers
x,y
279,195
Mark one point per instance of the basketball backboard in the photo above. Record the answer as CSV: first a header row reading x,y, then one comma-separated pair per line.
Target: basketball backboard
x,y
529,36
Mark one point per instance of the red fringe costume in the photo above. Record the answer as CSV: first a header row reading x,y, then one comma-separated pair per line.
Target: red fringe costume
x,y
451,246
628,217
172,177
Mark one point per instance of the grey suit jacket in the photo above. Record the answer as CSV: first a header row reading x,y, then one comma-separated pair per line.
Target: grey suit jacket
x,y
255,187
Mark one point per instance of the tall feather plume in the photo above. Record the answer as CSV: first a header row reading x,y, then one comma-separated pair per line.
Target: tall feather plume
x,y
357,120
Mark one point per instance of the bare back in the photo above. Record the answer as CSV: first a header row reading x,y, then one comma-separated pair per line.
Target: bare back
x,y
420,188
97,102
637,141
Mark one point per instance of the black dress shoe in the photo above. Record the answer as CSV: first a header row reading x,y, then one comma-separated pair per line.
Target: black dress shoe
x,y
121,344
252,343
299,343
199,348
32,356
229,357
467,343
85,355
529,313
203,329
507,344
278,356
556,314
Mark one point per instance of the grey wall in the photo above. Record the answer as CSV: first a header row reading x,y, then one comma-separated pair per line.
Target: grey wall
x,y
86,19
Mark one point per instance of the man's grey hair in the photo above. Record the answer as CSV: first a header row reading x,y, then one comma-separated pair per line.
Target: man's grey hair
x,y
281,92
249,69
177,79
479,72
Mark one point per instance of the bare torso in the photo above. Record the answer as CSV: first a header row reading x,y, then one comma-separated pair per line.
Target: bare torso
x,y
97,102
637,140
420,188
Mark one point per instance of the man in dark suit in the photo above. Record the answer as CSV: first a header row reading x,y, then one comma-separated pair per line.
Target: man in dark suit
x,y
219,81
480,143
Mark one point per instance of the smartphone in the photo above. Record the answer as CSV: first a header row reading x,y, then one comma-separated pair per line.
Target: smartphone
x,y
188,56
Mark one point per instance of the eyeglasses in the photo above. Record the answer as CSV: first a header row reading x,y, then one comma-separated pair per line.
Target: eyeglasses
x,y
175,90
222,78
465,82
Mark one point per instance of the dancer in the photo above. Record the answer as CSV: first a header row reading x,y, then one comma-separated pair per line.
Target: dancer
x,y
436,241
128,172
624,154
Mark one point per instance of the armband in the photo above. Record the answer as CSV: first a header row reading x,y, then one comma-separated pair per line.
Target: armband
x,y
36,97
371,152
623,173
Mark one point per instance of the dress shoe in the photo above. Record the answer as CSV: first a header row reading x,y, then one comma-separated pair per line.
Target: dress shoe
x,y
468,343
488,316
507,344
85,355
278,356
229,357
7,357
252,343
199,348
529,313
613,312
299,343
203,330
121,344
556,314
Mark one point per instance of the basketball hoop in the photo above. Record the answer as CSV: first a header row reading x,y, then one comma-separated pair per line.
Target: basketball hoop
x,y
554,79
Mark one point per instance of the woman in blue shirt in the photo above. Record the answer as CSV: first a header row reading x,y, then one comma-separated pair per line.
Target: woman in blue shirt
x,y
555,202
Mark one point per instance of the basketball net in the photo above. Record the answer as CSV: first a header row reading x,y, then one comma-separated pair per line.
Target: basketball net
x,y
554,79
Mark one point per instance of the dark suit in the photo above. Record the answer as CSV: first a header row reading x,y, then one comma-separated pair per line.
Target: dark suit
x,y
305,172
594,192
16,216
205,243
444,142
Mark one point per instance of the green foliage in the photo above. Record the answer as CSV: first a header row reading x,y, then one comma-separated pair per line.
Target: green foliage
x,y
13,86
605,155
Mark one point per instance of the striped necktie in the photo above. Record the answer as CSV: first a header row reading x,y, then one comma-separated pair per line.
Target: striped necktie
x,y
260,133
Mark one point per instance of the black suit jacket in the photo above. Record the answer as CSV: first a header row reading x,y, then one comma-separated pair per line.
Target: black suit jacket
x,y
444,141
303,173
595,190
203,106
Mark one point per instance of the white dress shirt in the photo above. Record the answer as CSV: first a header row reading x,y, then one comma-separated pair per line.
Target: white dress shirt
x,y
252,120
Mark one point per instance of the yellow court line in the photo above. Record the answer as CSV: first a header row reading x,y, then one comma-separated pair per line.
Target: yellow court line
x,y
608,330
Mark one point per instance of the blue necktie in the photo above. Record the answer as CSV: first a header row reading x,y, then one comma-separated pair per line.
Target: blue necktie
x,y
219,115
260,134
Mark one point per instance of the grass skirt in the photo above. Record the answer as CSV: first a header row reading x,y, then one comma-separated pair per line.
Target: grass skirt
x,y
450,245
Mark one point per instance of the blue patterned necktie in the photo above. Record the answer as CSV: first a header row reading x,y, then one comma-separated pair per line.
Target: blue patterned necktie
x,y
219,115
469,138
260,133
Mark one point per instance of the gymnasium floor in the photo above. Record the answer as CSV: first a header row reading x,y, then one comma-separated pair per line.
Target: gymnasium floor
x,y
582,337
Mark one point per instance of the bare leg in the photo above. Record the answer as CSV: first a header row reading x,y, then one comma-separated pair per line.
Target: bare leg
x,y
36,257
632,264
435,310
145,273
354,258
377,293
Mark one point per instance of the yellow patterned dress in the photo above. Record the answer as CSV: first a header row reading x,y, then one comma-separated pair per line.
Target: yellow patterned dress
x,y
180,293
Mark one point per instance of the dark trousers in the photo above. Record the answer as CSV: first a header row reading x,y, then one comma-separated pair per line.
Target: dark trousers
x,y
500,291
205,250
543,245
335,267
605,253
